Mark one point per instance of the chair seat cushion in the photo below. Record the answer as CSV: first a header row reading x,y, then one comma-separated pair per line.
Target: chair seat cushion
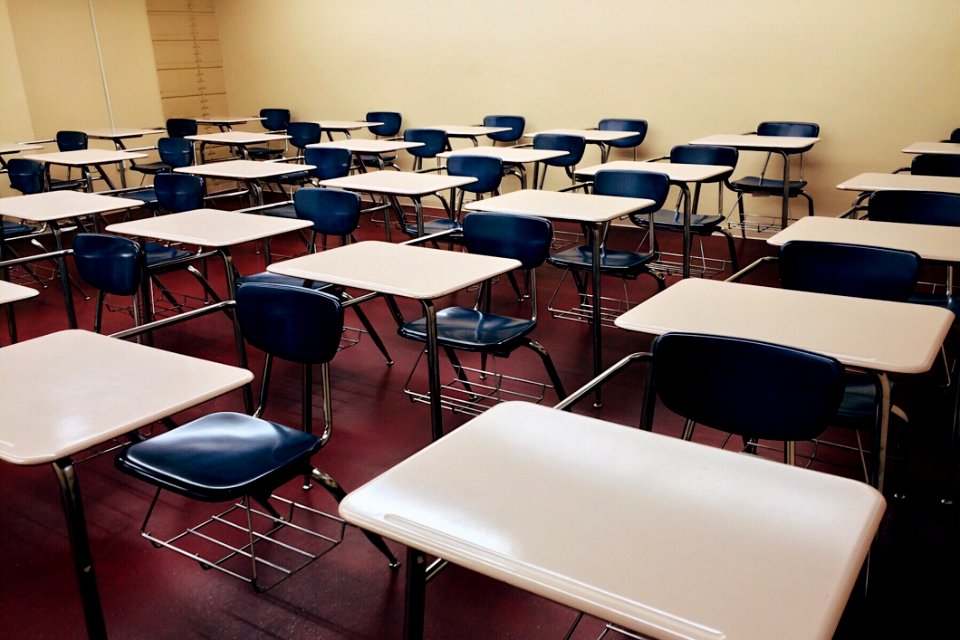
x,y
151,168
673,220
276,278
57,185
299,177
471,330
221,456
263,152
17,229
147,196
766,185
625,264
433,226
286,211
160,254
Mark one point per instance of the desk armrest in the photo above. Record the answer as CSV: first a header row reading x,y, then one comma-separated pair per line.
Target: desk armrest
x,y
587,389
180,317
751,267
263,207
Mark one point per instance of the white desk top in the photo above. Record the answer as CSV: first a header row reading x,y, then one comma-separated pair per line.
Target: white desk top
x,y
209,227
561,205
398,183
929,241
16,147
11,292
900,181
67,391
669,538
238,137
227,120
359,145
467,131
513,155
396,269
677,171
82,157
590,135
939,148
344,125
858,332
751,141
56,205
119,134
244,169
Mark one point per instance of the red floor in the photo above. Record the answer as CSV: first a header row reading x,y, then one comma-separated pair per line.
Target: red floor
x,y
350,594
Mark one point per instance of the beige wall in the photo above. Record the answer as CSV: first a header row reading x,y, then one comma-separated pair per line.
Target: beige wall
x,y
876,74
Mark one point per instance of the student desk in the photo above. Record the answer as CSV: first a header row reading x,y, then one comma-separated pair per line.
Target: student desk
x,y
784,146
225,123
600,137
50,207
469,132
9,148
680,175
10,293
878,336
86,158
408,271
592,211
117,136
250,172
98,395
664,537
937,148
511,156
239,139
397,184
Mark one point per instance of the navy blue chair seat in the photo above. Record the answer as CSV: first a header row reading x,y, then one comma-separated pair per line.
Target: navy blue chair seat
x,y
288,211
160,255
221,457
771,186
472,330
13,230
435,225
622,264
147,195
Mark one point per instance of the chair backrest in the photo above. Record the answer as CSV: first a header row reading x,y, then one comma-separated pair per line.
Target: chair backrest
x,y
109,263
625,124
573,145
434,142
175,152
516,124
275,119
955,135
486,169
26,176
849,270
915,207
523,238
178,191
706,154
180,127
71,140
634,184
303,133
791,129
332,211
934,164
793,393
391,123
330,162
294,323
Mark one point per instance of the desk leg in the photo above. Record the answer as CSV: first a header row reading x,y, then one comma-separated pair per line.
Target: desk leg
x,y
597,301
64,276
80,546
122,171
686,229
785,207
418,208
230,273
879,466
416,591
433,366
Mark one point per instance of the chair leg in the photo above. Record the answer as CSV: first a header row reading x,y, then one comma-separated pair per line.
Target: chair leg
x,y
809,203
548,365
731,245
743,215
661,281
98,313
458,369
334,489
372,332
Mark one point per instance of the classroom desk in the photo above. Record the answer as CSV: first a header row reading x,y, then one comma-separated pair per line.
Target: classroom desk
x,y
469,132
250,172
342,126
50,207
84,159
408,271
98,395
10,293
513,156
363,147
861,333
784,146
936,148
239,139
592,211
600,137
9,148
680,175
664,537
225,123
396,184
117,136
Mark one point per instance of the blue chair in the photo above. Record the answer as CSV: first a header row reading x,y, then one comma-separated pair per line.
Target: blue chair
x,y
68,141
935,164
110,264
573,145
762,185
701,224
625,124
303,133
178,192
516,124
390,128
478,330
954,136
794,394
434,142
626,265
230,457
181,127
174,153
274,121
26,176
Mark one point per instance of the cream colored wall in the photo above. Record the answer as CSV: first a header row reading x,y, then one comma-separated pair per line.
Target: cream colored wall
x,y
15,123
876,74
